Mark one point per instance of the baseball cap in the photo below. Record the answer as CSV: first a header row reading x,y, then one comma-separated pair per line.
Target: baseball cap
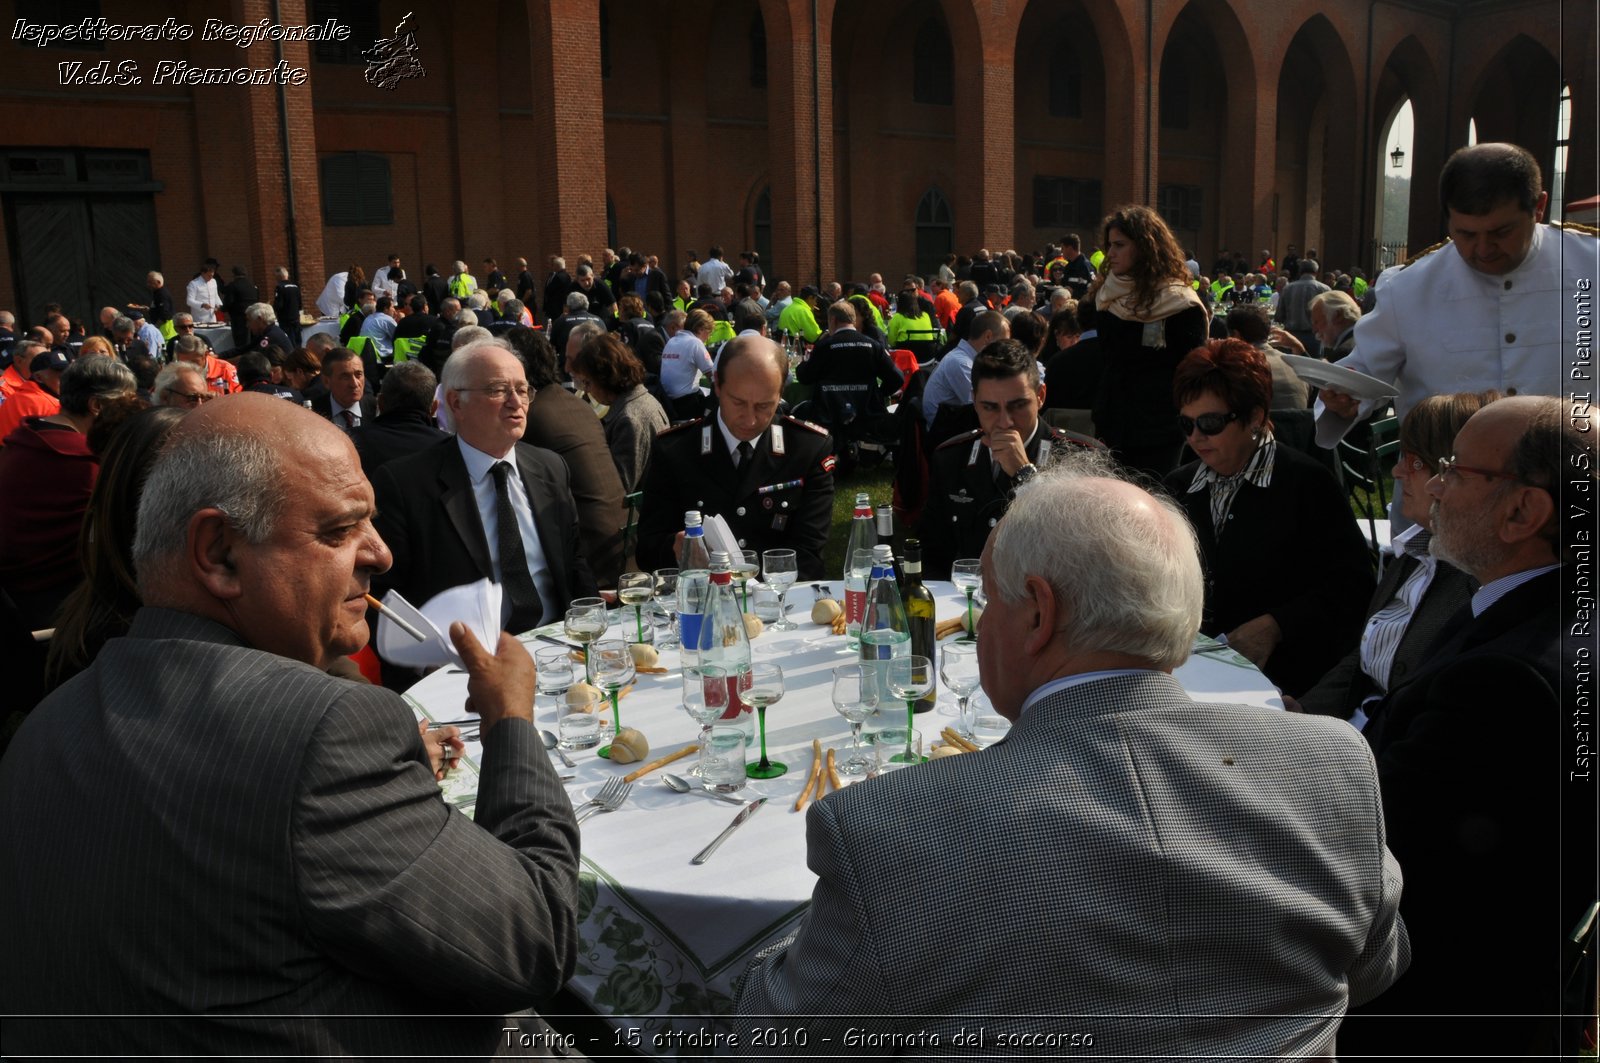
x,y
51,359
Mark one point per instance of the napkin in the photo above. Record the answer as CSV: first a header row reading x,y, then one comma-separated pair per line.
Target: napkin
x,y
476,605
720,537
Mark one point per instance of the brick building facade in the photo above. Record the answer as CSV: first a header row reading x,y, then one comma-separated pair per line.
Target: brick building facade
x,y
837,137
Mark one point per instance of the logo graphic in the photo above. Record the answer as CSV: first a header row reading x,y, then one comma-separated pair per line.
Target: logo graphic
x,y
393,59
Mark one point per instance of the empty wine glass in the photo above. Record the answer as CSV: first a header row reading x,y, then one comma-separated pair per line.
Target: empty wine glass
x,y
766,688
613,670
958,667
666,592
855,697
705,699
636,588
583,625
967,575
909,678
781,570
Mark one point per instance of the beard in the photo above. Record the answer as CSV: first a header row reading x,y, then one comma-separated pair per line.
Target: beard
x,y
1469,545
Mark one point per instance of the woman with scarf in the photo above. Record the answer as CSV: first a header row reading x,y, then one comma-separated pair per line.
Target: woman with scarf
x,y
1147,317
1288,573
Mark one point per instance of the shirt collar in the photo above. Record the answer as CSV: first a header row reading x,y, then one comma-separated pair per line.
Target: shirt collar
x,y
1067,682
1258,470
479,463
1414,541
1490,593
732,440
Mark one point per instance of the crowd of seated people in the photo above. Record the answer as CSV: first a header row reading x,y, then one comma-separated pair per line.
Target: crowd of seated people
x,y
504,430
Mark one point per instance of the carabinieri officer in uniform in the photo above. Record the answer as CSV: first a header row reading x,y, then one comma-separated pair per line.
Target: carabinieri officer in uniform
x,y
769,477
974,476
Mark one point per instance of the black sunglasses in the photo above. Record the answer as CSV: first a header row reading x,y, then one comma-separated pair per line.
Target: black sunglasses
x,y
1208,423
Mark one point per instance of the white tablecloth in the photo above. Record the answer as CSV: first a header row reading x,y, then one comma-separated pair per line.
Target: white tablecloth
x,y
219,336
662,938
328,326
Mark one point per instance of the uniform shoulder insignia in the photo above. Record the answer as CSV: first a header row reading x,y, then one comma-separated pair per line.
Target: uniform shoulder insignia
x,y
963,438
673,429
810,425
1424,253
1574,227
1067,438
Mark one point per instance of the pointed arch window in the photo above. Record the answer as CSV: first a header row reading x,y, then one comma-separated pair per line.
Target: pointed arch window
x,y
758,51
1066,80
761,224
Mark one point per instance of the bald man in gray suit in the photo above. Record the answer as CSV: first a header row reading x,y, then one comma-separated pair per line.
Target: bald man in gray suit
x,y
231,852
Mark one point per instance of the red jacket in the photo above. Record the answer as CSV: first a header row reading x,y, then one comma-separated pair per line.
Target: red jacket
x,y
46,474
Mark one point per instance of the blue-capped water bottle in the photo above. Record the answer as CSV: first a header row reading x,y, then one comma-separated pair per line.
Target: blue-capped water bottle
x,y
694,583
885,634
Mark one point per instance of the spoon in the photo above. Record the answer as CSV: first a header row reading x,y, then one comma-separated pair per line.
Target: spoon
x,y
551,742
683,786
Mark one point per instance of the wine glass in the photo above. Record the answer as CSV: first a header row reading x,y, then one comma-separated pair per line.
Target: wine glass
x,y
744,570
583,625
958,667
781,570
909,679
855,697
967,575
766,688
666,592
636,588
705,699
613,670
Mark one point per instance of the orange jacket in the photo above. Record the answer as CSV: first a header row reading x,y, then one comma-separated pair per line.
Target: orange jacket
x,y
221,376
29,400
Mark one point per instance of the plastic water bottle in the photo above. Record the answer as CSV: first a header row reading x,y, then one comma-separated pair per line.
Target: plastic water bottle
x,y
724,646
694,582
858,567
885,634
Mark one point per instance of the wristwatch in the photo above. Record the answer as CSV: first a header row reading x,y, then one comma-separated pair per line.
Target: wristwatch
x,y
1024,474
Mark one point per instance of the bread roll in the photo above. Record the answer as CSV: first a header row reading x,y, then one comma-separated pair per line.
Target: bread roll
x,y
629,746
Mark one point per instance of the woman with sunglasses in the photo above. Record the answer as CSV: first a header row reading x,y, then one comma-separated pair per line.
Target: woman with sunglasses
x,y
1147,317
1288,573
1417,593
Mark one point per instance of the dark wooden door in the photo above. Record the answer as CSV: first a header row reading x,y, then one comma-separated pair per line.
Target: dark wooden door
x,y
82,251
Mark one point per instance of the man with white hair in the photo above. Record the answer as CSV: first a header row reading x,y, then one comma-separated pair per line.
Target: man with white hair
x,y
1333,319
265,332
1170,868
485,504
181,384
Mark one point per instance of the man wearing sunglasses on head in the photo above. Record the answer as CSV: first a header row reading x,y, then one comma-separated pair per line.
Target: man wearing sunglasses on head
x,y
1489,798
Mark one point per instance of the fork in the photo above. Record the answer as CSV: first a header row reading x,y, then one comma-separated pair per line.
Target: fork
x,y
824,591
609,799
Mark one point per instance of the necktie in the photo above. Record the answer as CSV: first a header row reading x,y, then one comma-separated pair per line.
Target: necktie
x,y
526,612
349,420
746,449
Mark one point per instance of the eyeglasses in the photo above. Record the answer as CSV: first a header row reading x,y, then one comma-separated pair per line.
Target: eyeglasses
x,y
191,400
187,325
1208,423
498,391
1450,469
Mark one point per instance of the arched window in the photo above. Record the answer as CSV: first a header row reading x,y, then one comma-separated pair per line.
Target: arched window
x,y
605,42
933,64
762,224
1066,80
758,51
1176,85
935,231
611,223
1558,172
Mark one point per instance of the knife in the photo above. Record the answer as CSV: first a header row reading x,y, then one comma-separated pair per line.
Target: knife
x,y
557,642
749,810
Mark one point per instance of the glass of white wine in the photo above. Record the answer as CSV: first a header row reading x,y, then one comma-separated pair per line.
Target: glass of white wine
x,y
967,575
909,678
634,589
613,670
666,595
705,699
781,569
744,570
583,625
766,688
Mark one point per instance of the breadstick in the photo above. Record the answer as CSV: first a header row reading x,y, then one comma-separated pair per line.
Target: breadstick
x,y
951,738
833,773
814,780
634,775
947,627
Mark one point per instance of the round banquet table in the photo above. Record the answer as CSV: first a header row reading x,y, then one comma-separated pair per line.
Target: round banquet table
x,y
662,940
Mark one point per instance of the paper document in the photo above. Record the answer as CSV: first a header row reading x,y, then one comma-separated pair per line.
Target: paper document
x,y
476,605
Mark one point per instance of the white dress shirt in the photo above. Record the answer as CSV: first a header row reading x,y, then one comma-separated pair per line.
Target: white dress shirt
x,y
201,294
331,302
339,412
479,465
